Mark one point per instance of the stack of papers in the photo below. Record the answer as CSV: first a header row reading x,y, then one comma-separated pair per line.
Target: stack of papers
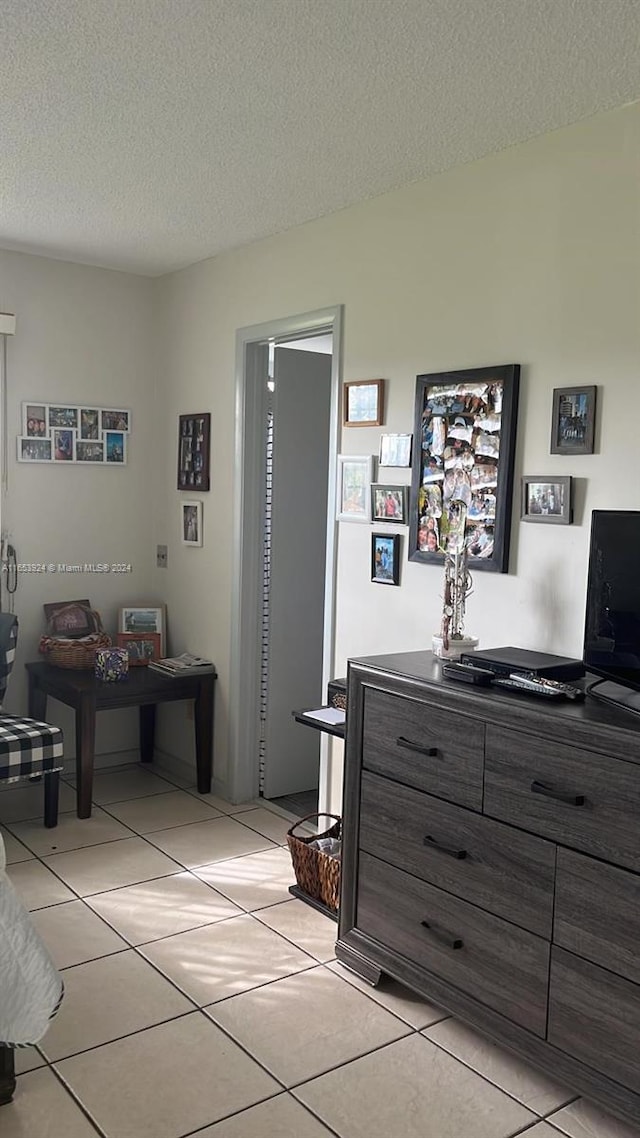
x,y
333,715
183,665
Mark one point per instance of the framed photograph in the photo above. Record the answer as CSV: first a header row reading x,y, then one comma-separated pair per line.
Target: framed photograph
x,y
69,618
34,420
389,503
89,423
395,450
140,648
115,447
142,619
547,498
63,445
89,452
194,433
363,403
191,517
115,420
34,449
573,420
462,484
355,475
62,417
385,558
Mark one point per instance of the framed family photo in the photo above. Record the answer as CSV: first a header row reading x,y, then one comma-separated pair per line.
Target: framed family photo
x,y
573,420
385,558
462,484
363,403
141,648
389,503
547,498
355,475
191,513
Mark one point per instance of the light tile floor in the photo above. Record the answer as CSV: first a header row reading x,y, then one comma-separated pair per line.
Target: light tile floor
x,y
201,998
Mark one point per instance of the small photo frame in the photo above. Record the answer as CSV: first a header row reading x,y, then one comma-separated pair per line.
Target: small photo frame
x,y
141,648
64,443
115,447
363,403
143,619
355,475
61,416
385,558
89,423
194,432
34,420
89,451
69,618
191,519
547,498
115,420
34,449
573,420
389,503
395,450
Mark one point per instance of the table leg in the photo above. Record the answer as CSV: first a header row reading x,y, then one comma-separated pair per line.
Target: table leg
x,y
203,714
147,731
7,1074
37,701
85,752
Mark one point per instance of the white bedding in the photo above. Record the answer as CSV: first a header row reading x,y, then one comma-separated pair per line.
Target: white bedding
x,y
30,986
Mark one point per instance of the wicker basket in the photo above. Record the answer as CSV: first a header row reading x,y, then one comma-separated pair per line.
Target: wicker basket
x,y
317,873
77,652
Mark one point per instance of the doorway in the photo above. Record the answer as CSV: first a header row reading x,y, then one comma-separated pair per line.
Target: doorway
x,y
284,557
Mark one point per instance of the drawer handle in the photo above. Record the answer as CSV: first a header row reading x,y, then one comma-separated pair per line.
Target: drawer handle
x,y
434,844
549,792
442,936
409,746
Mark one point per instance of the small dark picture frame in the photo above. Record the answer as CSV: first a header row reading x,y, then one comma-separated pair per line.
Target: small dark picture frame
x,y
547,498
389,503
385,558
194,433
573,420
363,403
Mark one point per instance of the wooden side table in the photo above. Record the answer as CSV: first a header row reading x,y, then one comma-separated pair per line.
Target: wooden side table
x,y
143,688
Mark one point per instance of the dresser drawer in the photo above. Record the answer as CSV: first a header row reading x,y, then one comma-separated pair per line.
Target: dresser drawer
x,y
597,913
498,964
578,798
494,866
595,1016
424,747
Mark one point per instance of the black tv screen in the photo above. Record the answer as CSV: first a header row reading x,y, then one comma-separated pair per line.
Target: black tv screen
x,y
612,622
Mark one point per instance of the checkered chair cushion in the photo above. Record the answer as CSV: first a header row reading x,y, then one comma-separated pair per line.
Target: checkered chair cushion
x,y
27,747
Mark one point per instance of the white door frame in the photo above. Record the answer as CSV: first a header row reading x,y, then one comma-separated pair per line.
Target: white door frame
x,y
247,566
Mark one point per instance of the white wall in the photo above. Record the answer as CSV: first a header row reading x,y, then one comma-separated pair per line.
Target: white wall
x,y
529,256
83,336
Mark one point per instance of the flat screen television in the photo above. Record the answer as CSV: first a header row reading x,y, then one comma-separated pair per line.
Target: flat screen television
x,y
612,621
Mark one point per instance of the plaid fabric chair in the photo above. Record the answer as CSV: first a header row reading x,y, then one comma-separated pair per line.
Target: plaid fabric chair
x,y
28,748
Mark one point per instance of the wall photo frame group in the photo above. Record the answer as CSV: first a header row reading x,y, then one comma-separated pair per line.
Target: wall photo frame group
x,y
462,485
72,433
194,434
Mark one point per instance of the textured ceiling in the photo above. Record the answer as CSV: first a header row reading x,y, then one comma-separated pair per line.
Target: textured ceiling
x,y
148,134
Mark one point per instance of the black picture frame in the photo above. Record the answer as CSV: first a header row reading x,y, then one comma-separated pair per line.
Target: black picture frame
x,y
194,432
547,498
465,439
385,558
388,503
573,420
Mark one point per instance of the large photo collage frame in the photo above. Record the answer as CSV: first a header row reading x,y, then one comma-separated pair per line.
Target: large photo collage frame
x,y
74,433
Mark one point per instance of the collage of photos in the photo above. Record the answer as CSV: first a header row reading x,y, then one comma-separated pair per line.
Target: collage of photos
x,y
460,452
64,433
193,451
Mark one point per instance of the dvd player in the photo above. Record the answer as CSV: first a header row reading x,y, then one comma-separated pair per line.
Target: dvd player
x,y
504,661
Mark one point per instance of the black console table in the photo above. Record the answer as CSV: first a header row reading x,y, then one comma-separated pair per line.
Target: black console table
x,y
144,688
491,862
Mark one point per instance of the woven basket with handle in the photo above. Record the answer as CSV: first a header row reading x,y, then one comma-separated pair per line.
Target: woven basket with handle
x,y
79,652
317,873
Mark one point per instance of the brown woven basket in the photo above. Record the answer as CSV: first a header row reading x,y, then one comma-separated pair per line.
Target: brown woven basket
x,y
79,652
317,874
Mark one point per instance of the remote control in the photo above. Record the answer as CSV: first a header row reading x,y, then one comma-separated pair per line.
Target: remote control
x,y
534,682
528,687
468,673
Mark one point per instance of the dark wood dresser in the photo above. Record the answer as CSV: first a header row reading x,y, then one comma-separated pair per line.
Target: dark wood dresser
x,y
491,862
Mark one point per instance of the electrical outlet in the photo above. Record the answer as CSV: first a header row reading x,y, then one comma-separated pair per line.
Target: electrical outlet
x,y
161,556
